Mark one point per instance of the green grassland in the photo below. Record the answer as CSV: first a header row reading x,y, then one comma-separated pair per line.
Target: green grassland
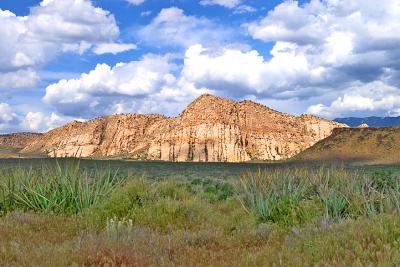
x,y
112,213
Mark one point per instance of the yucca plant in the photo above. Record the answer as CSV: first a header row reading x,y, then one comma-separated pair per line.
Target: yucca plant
x,y
272,195
276,195
336,205
55,188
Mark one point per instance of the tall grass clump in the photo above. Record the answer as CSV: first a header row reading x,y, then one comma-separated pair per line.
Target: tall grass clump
x,y
295,196
273,196
57,188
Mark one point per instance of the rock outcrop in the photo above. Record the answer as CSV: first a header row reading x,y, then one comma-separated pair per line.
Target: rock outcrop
x,y
210,129
17,140
363,125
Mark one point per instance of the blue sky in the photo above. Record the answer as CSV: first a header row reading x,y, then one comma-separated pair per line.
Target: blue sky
x,y
62,60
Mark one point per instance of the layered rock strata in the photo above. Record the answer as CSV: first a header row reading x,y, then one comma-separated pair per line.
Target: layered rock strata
x,y
210,129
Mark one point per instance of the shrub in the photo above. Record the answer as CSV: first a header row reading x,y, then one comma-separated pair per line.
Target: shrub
x,y
212,190
158,205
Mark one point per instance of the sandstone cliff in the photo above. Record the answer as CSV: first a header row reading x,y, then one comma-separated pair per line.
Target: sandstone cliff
x,y
209,129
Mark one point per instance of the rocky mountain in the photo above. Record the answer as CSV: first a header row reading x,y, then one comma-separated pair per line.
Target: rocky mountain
x,y
17,140
361,145
371,121
209,129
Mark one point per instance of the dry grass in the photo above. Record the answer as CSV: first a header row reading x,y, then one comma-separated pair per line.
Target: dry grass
x,y
37,240
44,240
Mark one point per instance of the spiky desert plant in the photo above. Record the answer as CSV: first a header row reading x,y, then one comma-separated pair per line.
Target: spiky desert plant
x,y
55,188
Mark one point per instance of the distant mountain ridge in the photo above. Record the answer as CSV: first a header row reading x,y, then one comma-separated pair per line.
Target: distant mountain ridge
x,y
210,129
370,121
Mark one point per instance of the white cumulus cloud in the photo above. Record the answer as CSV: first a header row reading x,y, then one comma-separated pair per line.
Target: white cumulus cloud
x,y
51,28
375,98
113,48
127,87
351,43
224,3
41,122
23,78
14,120
6,114
236,5
171,27
48,30
240,73
136,2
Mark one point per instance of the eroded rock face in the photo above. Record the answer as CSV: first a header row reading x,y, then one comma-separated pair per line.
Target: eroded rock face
x,y
102,137
17,140
209,129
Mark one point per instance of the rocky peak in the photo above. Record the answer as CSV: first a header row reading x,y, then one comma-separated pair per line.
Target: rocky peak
x,y
207,102
213,109
211,128
208,108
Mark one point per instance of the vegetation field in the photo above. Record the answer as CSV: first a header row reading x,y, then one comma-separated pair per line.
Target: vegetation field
x,y
120,213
